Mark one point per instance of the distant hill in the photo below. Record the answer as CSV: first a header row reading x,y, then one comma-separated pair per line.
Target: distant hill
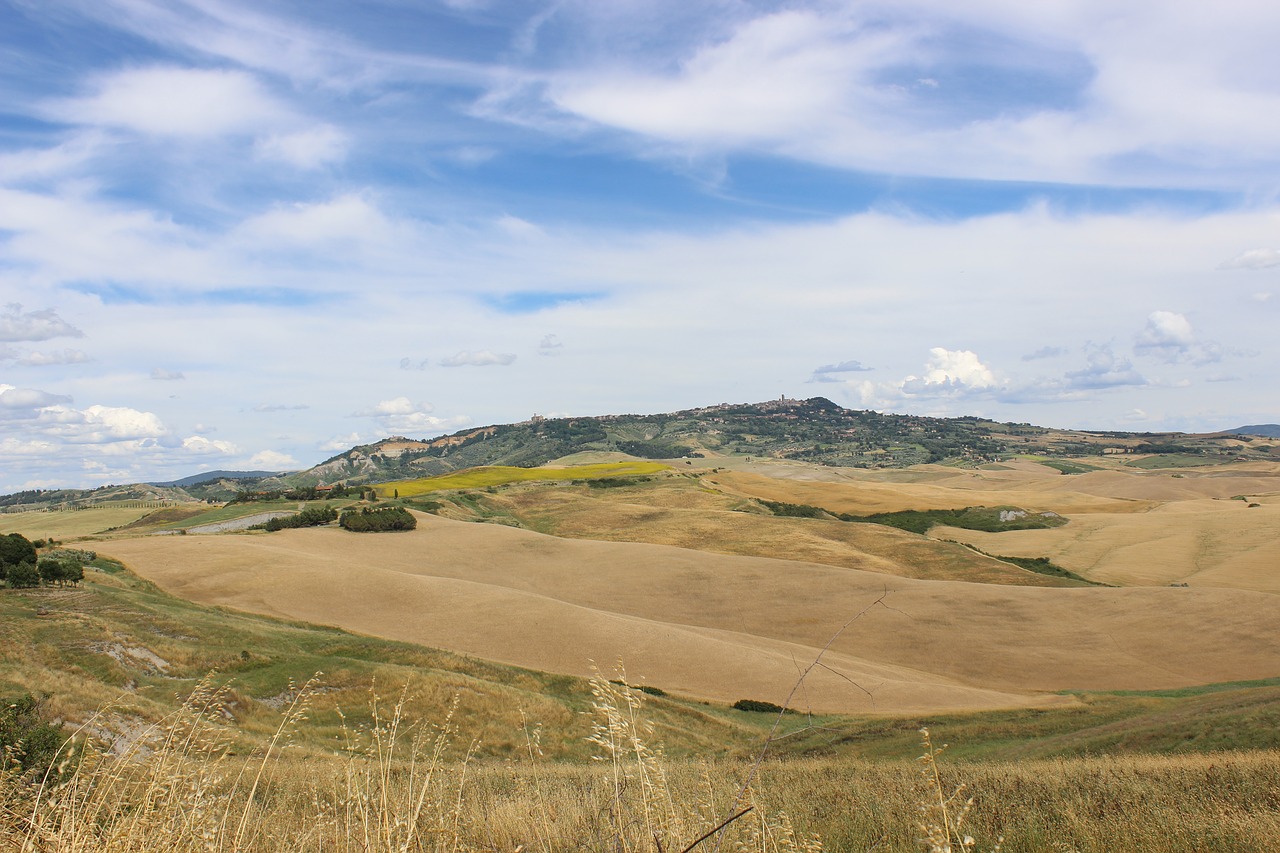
x,y
814,430
196,479
1263,430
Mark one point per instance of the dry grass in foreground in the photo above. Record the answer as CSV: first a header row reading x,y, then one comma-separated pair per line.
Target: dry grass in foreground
x,y
400,785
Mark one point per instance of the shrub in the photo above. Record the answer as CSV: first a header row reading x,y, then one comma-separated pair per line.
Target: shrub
x,y
29,742
757,705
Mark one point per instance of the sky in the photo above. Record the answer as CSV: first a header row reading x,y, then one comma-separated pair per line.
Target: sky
x,y
250,235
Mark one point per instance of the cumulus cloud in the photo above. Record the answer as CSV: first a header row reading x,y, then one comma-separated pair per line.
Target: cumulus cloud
x,y
201,446
407,363
550,345
26,403
479,358
394,406
402,415
273,460
161,375
15,325
102,424
174,101
1253,259
950,372
1169,337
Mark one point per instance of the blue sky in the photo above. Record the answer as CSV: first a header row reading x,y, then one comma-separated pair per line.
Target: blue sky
x,y
250,235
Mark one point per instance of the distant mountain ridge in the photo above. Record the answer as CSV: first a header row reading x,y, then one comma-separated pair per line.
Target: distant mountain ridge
x,y
815,430
196,479
1261,430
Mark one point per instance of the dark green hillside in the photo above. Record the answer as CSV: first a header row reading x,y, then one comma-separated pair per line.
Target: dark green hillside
x,y
814,430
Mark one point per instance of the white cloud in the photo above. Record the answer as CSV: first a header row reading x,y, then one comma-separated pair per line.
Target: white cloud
x,y
1253,259
272,460
175,101
305,149
842,367
341,221
1166,329
1104,369
48,359
1169,337
101,424
202,446
403,416
778,77
395,406
950,372
341,442
479,358
26,402
161,375
993,89
407,363
15,325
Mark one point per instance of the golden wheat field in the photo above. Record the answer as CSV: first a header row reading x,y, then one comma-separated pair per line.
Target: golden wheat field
x,y
726,626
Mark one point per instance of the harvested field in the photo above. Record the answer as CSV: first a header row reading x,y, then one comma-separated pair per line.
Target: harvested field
x,y
723,627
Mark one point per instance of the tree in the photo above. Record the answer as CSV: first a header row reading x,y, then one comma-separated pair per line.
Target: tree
x,y
15,549
60,571
22,576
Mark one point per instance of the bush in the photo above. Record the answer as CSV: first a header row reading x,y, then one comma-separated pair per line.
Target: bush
x,y
370,520
788,510
757,705
29,743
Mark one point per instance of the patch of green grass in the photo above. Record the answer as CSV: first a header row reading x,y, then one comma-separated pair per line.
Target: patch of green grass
x,y
1177,460
1066,467
1039,565
988,519
1199,690
1112,723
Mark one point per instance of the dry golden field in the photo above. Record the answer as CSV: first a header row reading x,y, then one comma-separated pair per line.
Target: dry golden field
x,y
723,627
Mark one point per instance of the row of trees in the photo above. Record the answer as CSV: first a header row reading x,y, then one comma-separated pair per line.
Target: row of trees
x,y
301,493
312,516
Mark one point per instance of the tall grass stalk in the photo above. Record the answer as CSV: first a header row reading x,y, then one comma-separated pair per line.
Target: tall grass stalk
x,y
399,785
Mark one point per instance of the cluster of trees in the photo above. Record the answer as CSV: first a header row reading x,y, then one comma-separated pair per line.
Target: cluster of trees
x,y
20,568
368,519
312,516
301,493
